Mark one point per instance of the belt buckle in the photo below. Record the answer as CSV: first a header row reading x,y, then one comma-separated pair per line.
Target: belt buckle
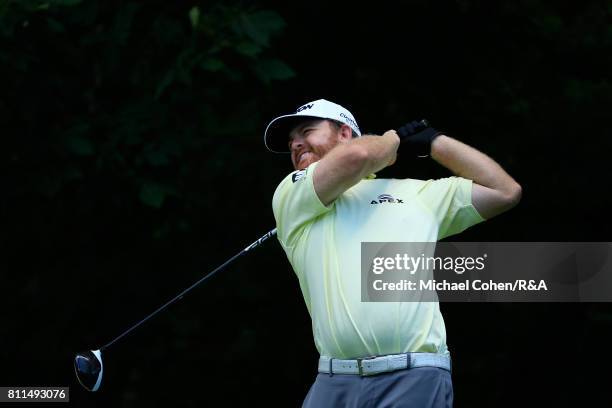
x,y
360,366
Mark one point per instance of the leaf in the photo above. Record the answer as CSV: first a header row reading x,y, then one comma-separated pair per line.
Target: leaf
x,y
549,24
79,145
166,82
154,194
261,25
123,22
55,25
273,69
212,64
65,2
248,48
157,158
194,16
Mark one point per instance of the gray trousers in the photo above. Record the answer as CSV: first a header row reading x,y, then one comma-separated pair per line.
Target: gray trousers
x,y
423,387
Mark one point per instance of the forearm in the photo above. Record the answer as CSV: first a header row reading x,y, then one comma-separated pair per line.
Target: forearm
x,y
469,163
347,163
381,151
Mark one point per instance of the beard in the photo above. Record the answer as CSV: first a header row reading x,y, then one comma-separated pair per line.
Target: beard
x,y
315,154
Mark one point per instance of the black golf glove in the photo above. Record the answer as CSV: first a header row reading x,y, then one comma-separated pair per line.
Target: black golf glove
x,y
416,138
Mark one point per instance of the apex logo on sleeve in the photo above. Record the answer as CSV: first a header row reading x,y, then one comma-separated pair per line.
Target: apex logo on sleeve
x,y
386,198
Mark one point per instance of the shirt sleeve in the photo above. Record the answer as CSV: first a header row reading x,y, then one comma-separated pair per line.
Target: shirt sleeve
x,y
296,205
450,200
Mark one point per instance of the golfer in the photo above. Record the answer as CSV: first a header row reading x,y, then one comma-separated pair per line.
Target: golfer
x,y
387,354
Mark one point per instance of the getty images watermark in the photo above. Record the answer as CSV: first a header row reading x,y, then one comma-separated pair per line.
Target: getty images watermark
x,y
486,271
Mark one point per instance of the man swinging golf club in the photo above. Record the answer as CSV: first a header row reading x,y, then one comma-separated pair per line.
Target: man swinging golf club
x,y
390,354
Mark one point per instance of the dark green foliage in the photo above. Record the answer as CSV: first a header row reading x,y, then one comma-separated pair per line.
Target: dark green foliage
x,y
145,90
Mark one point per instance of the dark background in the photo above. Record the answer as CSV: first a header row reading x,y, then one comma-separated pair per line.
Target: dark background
x,y
133,163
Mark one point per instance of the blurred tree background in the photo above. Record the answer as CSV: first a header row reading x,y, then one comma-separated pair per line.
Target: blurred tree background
x,y
133,163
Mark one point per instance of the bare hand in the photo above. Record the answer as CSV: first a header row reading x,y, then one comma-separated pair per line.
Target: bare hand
x,y
392,134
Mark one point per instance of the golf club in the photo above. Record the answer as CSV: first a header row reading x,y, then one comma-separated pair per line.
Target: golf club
x,y
88,365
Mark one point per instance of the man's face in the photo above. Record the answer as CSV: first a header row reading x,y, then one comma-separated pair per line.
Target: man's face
x,y
311,140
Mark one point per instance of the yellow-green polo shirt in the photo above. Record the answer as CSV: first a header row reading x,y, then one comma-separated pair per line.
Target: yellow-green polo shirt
x,y
323,245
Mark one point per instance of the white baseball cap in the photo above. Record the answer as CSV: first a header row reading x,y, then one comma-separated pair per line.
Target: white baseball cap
x,y
277,132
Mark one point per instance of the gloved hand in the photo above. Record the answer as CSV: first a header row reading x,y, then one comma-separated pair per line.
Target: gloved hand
x,y
416,138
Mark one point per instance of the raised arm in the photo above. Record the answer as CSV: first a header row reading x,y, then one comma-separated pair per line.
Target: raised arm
x,y
493,191
349,162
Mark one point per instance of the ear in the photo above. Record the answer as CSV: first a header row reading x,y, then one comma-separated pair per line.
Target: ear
x,y
345,133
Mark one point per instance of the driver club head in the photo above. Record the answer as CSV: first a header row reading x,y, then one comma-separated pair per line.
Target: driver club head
x,y
89,368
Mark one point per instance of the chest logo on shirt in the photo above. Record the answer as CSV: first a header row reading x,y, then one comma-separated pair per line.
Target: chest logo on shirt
x,y
386,198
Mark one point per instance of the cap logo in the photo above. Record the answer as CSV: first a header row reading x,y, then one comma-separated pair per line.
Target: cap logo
x,y
304,107
351,121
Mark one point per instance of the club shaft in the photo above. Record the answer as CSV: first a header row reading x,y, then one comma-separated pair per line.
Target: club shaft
x,y
180,295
